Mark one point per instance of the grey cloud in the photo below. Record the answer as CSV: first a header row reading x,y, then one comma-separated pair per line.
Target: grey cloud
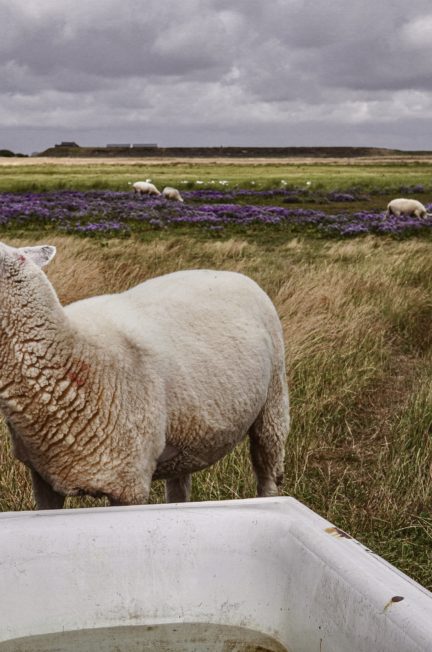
x,y
333,46
139,39
201,71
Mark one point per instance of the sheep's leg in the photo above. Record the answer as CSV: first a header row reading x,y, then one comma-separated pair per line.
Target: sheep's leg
x,y
44,494
267,437
177,490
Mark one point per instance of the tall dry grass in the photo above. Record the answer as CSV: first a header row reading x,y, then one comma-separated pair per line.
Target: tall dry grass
x,y
357,322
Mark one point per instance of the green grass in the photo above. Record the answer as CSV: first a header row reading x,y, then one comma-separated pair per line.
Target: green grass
x,y
363,177
356,316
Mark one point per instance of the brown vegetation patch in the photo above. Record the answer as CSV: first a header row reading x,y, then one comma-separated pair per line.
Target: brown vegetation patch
x,y
356,317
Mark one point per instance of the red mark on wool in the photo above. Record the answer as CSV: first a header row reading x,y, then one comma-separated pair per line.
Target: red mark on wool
x,y
78,372
22,259
78,380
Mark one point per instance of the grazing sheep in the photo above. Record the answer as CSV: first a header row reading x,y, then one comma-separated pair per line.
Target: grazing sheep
x,y
160,381
402,206
144,188
172,193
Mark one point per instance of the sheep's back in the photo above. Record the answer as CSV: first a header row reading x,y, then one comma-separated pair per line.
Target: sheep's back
x,y
201,330
406,205
222,322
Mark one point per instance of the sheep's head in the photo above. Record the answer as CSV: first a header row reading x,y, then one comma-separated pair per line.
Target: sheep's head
x,y
20,270
16,259
28,303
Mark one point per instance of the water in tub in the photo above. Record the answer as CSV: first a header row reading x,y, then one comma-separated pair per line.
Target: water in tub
x,y
182,637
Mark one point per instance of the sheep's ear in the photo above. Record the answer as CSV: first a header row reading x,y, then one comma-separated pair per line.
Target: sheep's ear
x,y
40,255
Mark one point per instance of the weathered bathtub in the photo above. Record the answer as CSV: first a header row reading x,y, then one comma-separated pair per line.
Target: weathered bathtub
x,y
235,575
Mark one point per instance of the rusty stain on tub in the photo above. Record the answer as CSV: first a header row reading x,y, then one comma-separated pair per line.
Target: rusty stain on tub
x,y
395,598
337,532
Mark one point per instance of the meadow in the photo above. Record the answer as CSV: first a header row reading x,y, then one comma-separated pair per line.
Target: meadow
x,y
356,309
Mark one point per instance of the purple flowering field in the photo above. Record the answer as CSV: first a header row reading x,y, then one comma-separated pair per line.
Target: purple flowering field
x,y
119,213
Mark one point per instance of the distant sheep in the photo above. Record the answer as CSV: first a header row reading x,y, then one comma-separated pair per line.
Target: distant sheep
x,y
172,193
402,206
144,188
108,393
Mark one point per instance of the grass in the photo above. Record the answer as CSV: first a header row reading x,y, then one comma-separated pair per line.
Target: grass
x,y
370,177
356,317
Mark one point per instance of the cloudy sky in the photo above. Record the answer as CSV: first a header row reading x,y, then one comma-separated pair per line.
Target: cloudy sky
x,y
216,72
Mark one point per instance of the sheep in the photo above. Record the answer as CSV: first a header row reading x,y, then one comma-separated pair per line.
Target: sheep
x,y
172,193
144,188
160,381
402,206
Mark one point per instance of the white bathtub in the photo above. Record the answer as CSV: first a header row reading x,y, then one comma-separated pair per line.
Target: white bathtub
x,y
271,566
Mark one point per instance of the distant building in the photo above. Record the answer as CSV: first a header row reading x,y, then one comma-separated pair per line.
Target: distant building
x,y
135,145
67,143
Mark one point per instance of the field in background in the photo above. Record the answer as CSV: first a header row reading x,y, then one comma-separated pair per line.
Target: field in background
x,y
357,321
385,176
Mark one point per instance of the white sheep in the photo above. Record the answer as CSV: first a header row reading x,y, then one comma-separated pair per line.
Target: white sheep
x,y
107,393
402,206
172,193
144,188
